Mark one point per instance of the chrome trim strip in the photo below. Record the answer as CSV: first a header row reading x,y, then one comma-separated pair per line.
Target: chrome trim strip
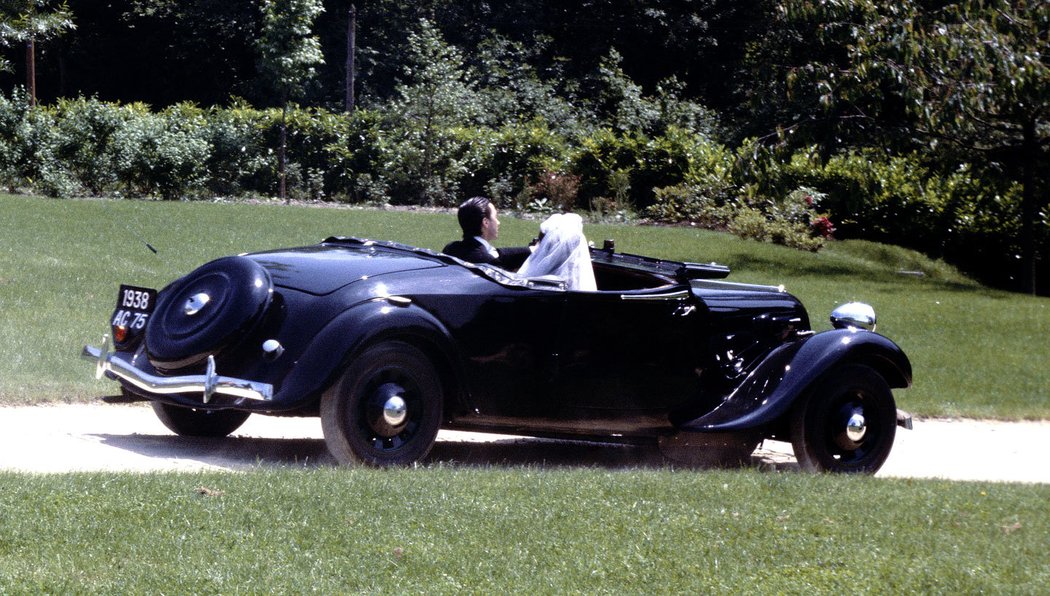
x,y
207,384
715,284
679,295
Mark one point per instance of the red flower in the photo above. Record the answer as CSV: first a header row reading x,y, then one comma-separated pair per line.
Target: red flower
x,y
823,226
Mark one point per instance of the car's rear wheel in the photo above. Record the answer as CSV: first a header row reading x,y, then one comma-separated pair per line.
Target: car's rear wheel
x,y
385,410
190,422
847,424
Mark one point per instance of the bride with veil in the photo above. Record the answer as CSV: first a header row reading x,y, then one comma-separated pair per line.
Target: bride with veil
x,y
562,252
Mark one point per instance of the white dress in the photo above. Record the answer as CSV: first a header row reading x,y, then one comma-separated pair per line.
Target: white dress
x,y
562,252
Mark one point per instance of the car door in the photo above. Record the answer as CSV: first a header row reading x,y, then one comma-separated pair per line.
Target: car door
x,y
627,354
509,351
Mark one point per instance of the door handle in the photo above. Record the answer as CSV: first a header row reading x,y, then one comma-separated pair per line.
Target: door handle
x,y
684,310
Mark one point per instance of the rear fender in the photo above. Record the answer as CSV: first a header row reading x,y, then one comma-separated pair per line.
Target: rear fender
x,y
350,332
768,393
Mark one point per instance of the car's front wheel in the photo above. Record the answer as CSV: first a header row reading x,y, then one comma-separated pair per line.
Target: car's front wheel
x,y
385,410
847,424
189,422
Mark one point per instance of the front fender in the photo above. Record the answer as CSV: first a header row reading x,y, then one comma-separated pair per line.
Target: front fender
x,y
770,390
356,327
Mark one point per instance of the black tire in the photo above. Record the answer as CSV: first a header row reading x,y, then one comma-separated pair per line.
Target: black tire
x,y
385,410
188,422
820,424
206,311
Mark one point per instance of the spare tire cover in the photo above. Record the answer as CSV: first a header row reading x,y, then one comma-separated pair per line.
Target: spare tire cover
x,y
202,312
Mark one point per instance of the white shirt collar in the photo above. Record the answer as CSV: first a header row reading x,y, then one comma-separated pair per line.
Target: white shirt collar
x,y
488,247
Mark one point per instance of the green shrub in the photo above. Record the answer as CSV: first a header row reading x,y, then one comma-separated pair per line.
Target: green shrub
x,y
236,163
750,224
163,154
13,133
616,208
425,171
501,163
557,189
87,127
869,195
41,166
688,203
358,159
314,137
330,156
743,191
791,221
962,215
753,224
705,197
664,168
29,145
652,162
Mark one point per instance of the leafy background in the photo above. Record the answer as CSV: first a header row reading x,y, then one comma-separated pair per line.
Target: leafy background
x,y
923,125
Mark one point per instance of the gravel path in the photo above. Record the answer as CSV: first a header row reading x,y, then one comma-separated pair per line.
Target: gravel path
x,y
129,438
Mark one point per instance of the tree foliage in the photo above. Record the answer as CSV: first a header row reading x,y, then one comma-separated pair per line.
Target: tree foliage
x,y
919,122
971,80
436,99
977,75
289,51
25,20
21,20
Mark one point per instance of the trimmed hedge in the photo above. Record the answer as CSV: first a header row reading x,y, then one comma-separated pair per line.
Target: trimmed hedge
x,y
88,147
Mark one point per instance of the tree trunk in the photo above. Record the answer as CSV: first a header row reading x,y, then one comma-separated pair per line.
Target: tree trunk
x,y
1029,209
351,49
283,191
31,71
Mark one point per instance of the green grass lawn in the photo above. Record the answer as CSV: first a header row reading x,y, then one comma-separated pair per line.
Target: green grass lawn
x,y
976,352
520,530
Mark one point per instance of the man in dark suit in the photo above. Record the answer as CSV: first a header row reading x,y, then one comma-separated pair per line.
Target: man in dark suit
x,y
478,218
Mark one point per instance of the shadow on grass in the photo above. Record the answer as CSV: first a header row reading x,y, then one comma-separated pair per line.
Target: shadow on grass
x,y
242,453
902,281
744,262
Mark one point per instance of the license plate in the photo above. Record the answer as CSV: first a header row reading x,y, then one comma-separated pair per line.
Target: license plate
x,y
134,307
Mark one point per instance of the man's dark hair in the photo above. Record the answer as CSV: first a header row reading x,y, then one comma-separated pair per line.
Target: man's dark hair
x,y
470,215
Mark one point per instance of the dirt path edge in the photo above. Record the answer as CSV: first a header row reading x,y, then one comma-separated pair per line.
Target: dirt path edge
x,y
129,438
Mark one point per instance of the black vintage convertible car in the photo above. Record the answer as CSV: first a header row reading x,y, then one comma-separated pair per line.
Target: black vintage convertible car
x,y
389,343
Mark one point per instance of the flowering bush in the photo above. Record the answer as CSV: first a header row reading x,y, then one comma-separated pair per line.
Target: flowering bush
x,y
688,203
792,221
795,221
557,189
822,226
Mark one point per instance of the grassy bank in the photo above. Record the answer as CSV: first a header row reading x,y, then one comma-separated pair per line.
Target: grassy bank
x,y
443,530
976,352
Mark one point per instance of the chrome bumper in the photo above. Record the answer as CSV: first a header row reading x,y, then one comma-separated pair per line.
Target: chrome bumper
x,y
208,384
904,419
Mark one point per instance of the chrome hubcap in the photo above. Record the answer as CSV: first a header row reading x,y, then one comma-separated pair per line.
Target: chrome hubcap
x,y
856,426
395,410
387,410
196,303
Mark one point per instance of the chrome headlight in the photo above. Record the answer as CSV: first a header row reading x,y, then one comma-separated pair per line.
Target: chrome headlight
x,y
854,314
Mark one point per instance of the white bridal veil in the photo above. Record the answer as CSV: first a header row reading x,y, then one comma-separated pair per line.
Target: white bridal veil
x,y
562,252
